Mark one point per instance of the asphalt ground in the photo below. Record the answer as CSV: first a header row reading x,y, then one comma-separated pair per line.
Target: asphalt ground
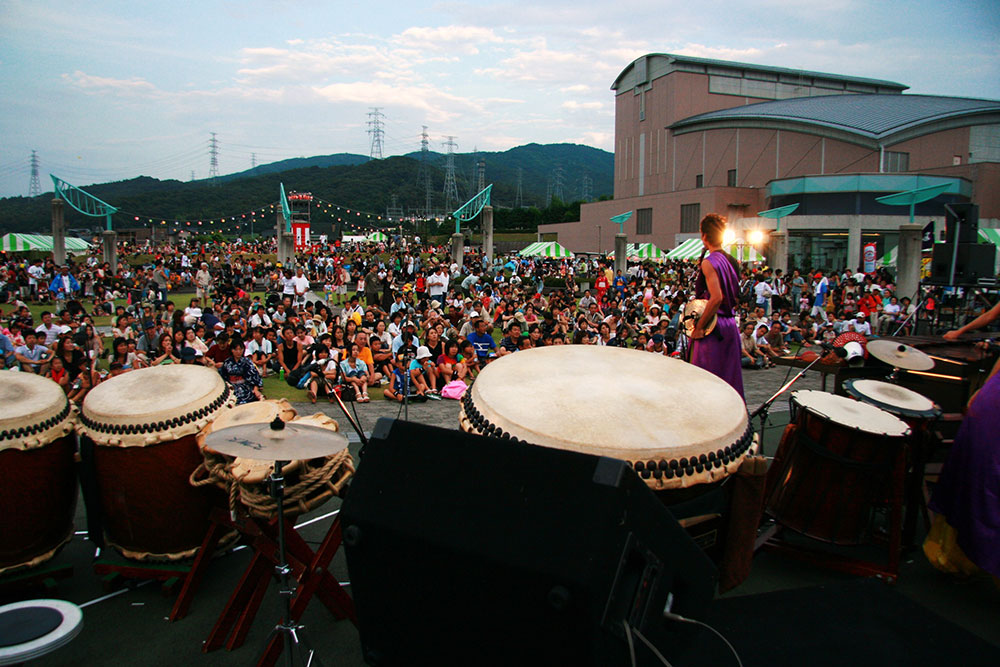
x,y
129,626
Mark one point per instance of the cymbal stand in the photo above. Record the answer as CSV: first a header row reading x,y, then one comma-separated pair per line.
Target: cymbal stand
x,y
293,636
766,405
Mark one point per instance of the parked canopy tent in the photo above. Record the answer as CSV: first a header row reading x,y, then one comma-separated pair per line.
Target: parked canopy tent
x,y
14,242
631,251
690,249
526,252
377,237
548,249
747,254
649,251
986,234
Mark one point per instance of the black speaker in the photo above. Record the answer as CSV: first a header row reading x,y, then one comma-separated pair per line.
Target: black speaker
x,y
464,549
962,218
972,262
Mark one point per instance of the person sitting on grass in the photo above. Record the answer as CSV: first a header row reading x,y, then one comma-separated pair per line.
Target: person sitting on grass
x,y
165,351
483,342
381,358
84,381
752,357
58,374
448,365
396,390
467,357
423,374
241,374
354,372
512,341
760,337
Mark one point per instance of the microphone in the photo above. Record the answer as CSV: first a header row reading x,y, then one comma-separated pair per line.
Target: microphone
x,y
840,351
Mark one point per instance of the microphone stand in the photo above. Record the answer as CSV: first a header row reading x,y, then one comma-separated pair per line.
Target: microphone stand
x,y
766,405
909,317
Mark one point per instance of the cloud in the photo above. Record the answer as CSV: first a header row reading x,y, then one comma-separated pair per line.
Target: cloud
x,y
573,105
438,105
464,39
101,84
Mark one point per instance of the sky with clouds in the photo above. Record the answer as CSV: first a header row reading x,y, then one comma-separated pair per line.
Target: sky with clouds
x,y
106,90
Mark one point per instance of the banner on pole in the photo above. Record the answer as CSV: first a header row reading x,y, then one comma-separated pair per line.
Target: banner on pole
x,y
869,257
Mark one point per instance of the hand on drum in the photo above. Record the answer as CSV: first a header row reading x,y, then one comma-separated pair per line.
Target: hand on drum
x,y
697,333
952,335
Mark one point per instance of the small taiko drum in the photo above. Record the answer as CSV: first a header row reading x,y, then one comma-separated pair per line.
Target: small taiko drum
x,y
678,425
144,425
913,408
37,470
308,483
836,462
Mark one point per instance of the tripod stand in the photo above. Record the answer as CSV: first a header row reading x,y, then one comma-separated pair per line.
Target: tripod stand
x,y
292,634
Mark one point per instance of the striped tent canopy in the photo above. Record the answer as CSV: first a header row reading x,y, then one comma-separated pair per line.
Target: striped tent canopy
x,y
14,242
748,253
650,251
986,235
690,249
631,252
377,237
526,252
548,249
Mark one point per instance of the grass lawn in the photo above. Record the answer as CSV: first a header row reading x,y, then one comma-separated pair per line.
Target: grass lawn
x,y
275,388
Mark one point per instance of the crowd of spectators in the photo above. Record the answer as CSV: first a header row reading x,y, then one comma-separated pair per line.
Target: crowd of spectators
x,y
403,316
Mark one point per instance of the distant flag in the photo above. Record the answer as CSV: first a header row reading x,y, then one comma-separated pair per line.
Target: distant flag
x,y
927,241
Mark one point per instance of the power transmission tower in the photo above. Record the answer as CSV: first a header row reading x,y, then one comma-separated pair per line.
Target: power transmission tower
x,y
450,187
375,129
394,211
213,160
518,198
587,188
192,174
557,187
481,173
253,160
548,194
35,186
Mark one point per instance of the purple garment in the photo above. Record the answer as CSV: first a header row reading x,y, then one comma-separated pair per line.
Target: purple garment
x,y
719,352
968,493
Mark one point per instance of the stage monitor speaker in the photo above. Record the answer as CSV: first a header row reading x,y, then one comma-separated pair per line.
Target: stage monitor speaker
x,y
973,261
963,218
464,549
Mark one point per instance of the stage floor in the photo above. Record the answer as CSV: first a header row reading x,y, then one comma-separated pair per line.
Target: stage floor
x,y
131,627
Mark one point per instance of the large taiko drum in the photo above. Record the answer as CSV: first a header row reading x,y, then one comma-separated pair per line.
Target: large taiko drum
x,y
37,471
913,408
679,426
144,425
308,483
834,466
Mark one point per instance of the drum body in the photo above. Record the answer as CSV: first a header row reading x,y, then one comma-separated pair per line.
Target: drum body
x,y
144,426
835,463
37,471
308,483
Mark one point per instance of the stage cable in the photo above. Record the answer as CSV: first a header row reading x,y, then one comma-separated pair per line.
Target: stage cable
x,y
683,619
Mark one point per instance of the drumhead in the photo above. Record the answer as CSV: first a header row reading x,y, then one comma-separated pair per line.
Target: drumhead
x,y
848,412
34,411
151,405
627,404
892,398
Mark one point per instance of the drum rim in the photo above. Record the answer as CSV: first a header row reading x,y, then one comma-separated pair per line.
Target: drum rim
x,y
59,418
160,426
854,427
932,413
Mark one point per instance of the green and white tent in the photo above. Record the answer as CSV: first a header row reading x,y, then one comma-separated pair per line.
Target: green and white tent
x,y
649,251
631,252
690,249
747,254
14,242
986,235
547,249
377,237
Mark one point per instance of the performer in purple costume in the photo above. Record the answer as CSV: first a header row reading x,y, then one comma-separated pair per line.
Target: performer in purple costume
x,y
718,352
968,493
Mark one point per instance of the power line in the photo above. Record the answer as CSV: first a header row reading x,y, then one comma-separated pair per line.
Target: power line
x,y
587,188
518,198
375,129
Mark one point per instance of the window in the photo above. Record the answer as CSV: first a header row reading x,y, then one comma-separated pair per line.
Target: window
x,y
699,181
644,221
690,216
896,161
731,178
956,160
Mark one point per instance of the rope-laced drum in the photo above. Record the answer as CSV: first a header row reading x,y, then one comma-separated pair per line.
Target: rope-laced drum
x,y
678,425
37,473
834,465
308,483
144,424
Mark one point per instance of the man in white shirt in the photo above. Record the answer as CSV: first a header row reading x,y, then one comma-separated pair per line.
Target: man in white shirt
x,y
36,277
203,282
861,325
437,284
301,285
50,330
260,319
764,293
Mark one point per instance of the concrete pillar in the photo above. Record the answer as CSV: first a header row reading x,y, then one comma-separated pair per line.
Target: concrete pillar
x,y
908,259
488,232
777,252
621,253
58,233
109,247
286,248
458,248
853,245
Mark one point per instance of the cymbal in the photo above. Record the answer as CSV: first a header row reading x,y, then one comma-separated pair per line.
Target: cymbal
x,y
262,442
900,355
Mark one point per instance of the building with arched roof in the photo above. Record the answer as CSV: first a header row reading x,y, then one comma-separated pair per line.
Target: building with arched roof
x,y
694,136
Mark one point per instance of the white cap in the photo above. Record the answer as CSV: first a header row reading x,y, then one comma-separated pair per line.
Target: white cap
x,y
423,352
